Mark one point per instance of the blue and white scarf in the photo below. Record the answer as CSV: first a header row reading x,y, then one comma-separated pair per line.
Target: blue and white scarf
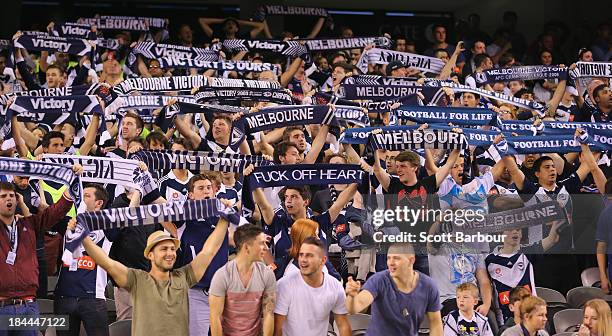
x,y
271,118
74,30
68,45
198,161
403,139
530,72
287,48
383,56
345,43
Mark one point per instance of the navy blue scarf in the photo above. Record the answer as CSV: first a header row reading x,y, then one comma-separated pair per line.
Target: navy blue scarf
x,y
271,118
232,95
68,45
287,48
305,174
530,72
403,139
345,43
75,30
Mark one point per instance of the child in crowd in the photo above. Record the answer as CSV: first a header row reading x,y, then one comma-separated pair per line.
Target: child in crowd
x,y
465,321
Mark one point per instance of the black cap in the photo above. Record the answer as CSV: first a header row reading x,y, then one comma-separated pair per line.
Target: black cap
x,y
394,65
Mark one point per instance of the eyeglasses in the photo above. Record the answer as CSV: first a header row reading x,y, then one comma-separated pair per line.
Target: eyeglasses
x,y
154,67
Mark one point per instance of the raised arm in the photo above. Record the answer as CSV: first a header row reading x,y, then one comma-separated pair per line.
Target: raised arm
x,y
22,149
450,65
598,176
185,130
443,171
317,145
345,196
381,175
291,70
357,300
205,24
209,250
556,98
267,212
517,175
90,135
316,28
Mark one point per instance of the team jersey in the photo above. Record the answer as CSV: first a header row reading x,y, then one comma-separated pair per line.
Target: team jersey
x,y
84,278
230,193
172,188
455,324
472,195
509,271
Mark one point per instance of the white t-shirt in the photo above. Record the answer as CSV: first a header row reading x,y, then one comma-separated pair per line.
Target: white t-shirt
x,y
306,308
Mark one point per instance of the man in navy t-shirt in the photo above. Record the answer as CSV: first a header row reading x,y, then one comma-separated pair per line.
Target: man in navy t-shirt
x,y
400,297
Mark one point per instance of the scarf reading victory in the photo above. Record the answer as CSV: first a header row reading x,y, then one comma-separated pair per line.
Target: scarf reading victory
x,y
372,106
345,43
106,22
220,65
271,118
530,72
195,160
68,45
592,69
287,48
152,50
97,169
305,174
530,105
537,214
399,139
186,83
263,11
117,218
74,30
60,91
47,171
53,110
229,95
383,56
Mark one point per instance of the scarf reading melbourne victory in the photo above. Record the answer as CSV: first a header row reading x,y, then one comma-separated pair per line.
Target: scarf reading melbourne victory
x,y
371,106
68,45
53,110
232,95
271,118
345,43
592,69
525,73
287,48
117,218
45,170
305,174
61,91
220,65
195,160
263,11
383,56
106,22
152,50
74,30
186,83
97,169
398,140
530,105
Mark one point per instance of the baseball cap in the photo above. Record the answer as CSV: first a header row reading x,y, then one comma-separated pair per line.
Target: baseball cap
x,y
158,237
394,65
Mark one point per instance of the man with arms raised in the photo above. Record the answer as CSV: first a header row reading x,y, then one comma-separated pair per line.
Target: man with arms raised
x,y
400,296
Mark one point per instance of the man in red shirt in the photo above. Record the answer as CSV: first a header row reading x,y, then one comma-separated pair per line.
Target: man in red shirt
x,y
18,262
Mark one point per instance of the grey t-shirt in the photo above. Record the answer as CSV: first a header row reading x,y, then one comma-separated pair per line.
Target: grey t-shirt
x,y
398,313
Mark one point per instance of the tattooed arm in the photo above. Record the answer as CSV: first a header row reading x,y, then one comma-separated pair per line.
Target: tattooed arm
x,y
267,305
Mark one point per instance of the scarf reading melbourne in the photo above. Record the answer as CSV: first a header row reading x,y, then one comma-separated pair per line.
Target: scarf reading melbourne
x,y
75,30
140,102
60,91
53,110
45,170
220,65
525,73
287,48
530,105
384,92
106,22
305,174
271,118
152,50
198,161
263,11
592,69
68,45
383,56
537,214
97,169
371,106
345,43
231,95
117,218
186,83
398,139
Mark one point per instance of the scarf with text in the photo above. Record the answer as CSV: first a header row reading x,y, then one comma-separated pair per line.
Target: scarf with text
x,y
372,106
271,118
152,50
141,102
46,171
399,140
525,73
383,56
305,174
53,110
548,127
523,103
199,161
109,22
437,114
97,169
592,69
186,83
345,43
385,92
68,45
232,95
286,48
78,90
74,30
263,11
219,65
